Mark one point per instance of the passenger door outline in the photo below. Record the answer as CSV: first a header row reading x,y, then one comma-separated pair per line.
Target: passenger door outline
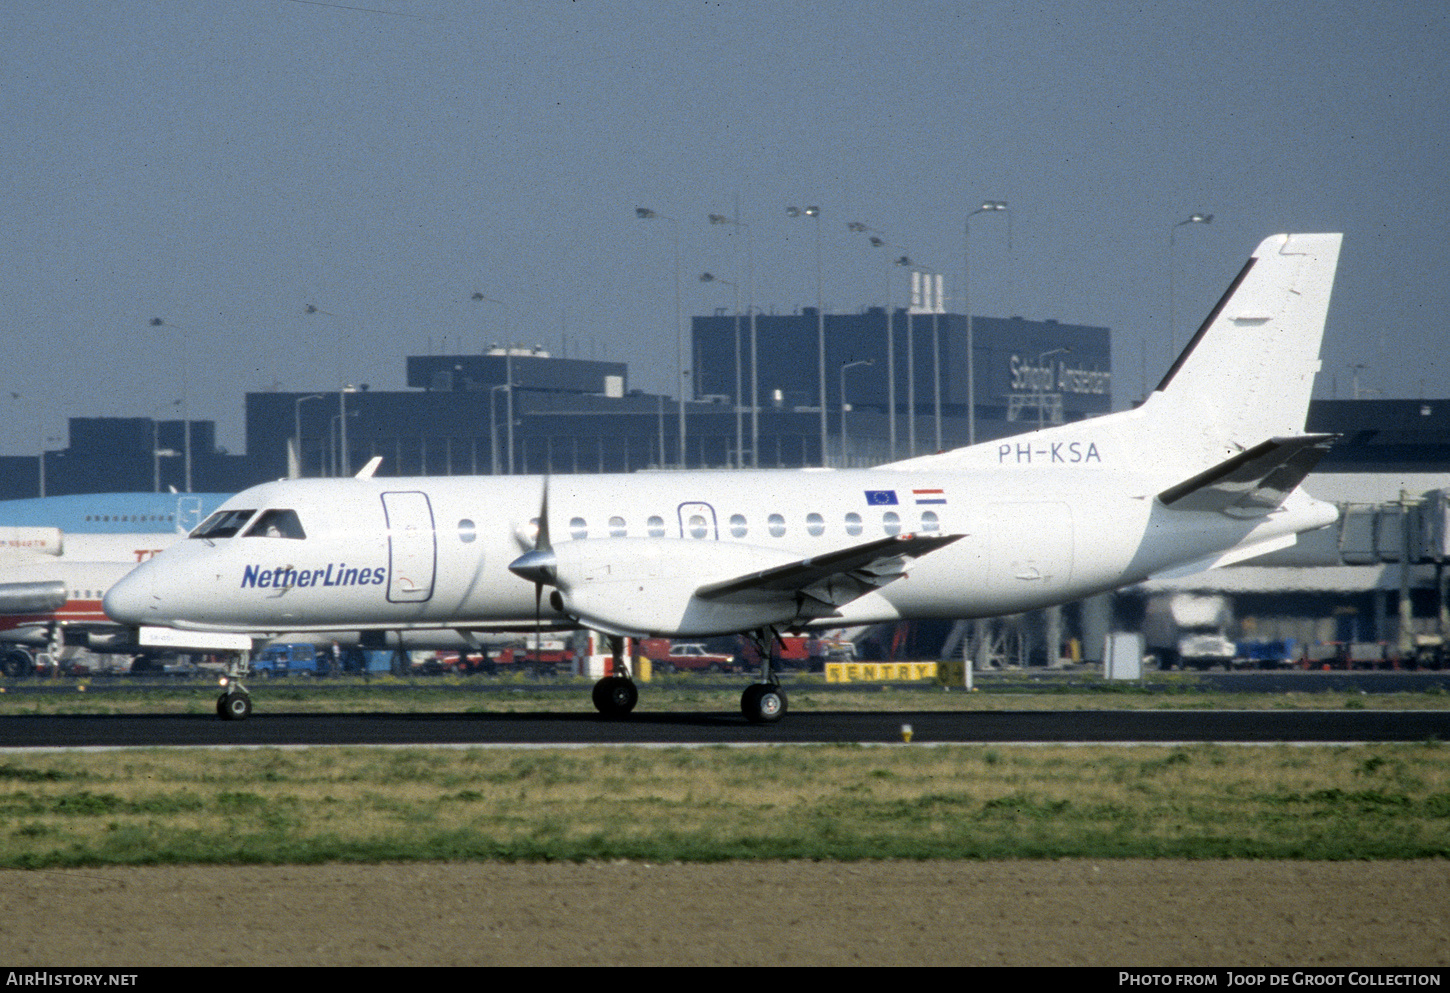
x,y
412,546
712,527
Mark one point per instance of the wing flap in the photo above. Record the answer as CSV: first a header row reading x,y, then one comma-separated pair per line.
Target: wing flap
x,y
1255,480
833,579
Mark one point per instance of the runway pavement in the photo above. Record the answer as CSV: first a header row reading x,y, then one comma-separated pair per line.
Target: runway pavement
x,y
722,728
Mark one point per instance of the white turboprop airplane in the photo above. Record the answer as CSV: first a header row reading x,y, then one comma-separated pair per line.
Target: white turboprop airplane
x,y
1202,474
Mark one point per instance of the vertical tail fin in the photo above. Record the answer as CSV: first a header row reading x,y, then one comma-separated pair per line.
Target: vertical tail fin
x,y
1247,374
1244,378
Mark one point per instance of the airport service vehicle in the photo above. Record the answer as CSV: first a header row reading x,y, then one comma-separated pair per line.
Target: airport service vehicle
x,y
689,656
1204,473
542,657
1189,629
787,651
286,659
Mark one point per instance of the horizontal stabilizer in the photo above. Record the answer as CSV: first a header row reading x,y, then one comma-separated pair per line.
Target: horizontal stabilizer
x,y
1257,479
833,579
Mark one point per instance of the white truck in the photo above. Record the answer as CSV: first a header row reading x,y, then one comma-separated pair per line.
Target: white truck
x,y
1189,629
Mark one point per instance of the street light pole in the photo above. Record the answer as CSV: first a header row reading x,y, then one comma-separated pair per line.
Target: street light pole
x,y
344,457
754,371
156,450
157,322
493,428
708,277
845,447
297,422
815,214
1195,218
988,206
877,241
645,214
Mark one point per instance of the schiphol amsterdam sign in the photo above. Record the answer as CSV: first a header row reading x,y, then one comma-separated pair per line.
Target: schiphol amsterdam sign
x,y
1058,377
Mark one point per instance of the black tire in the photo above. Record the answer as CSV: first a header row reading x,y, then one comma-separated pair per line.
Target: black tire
x,y
763,703
615,696
18,664
234,706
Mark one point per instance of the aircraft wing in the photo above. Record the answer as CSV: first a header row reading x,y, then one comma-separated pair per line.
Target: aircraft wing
x,y
1256,479
833,579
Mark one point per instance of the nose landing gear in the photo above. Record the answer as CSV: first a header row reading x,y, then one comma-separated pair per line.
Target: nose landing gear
x,y
235,703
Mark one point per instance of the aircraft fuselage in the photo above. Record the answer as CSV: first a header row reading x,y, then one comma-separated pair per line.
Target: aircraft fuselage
x,y
424,552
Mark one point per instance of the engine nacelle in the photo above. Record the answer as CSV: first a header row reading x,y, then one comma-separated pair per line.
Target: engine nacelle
x,y
42,597
646,586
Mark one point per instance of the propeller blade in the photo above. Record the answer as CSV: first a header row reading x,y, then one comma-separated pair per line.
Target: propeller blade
x,y
537,565
541,543
538,620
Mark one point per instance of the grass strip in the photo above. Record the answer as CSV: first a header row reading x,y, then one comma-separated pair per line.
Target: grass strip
x,y
837,802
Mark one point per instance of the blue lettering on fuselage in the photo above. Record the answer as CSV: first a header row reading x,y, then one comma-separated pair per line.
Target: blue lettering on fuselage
x,y
1062,452
286,577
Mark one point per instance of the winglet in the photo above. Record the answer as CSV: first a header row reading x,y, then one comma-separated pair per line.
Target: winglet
x,y
366,472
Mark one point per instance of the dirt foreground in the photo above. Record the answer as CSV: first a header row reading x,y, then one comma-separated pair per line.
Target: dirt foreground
x,y
1071,912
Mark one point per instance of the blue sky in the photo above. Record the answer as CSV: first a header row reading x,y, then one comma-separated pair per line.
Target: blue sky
x,y
222,165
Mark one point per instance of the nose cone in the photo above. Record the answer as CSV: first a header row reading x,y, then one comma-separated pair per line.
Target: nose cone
x,y
538,566
132,601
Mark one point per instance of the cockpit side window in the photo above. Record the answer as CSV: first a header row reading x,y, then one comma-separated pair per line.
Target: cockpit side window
x,y
277,524
223,524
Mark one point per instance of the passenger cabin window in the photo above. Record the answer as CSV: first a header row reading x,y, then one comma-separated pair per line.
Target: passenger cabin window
x,y
223,524
698,527
929,521
467,531
737,526
616,527
891,522
815,525
578,529
776,524
656,526
853,523
276,524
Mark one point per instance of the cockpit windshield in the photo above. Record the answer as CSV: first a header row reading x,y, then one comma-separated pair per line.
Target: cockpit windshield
x,y
276,524
223,524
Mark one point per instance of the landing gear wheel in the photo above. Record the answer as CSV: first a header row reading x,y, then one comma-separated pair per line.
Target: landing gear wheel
x,y
17,664
234,706
615,696
763,703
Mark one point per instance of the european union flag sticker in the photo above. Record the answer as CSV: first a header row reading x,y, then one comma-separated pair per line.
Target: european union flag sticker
x,y
881,498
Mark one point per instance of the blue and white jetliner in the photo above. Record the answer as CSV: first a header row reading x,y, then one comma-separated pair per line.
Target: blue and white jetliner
x,y
111,513
1204,473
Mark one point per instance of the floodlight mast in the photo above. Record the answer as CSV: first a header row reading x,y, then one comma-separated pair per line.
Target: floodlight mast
x,y
987,207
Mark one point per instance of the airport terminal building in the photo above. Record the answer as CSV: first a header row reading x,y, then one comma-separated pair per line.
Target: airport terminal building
x,y
909,389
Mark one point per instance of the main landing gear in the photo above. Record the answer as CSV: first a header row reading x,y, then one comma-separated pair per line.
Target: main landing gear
x,y
615,695
763,702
